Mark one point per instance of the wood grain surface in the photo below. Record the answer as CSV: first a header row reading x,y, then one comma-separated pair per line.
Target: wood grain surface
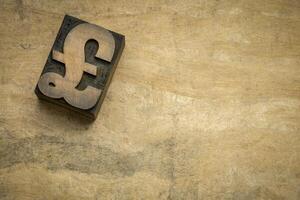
x,y
204,104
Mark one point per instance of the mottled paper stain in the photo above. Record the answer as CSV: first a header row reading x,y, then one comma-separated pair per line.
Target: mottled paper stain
x,y
204,104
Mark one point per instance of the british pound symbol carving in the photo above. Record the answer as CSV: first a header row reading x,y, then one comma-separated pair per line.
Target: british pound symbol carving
x,y
56,86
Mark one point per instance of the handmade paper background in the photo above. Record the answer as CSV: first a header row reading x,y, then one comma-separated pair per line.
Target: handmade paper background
x,y
205,103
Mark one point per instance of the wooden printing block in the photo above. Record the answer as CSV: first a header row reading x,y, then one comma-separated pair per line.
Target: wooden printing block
x,y
80,66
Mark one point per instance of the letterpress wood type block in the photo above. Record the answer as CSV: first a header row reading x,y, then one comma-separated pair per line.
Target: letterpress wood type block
x,y
80,66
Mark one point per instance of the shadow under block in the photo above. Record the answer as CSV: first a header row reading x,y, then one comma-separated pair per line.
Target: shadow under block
x,y
80,66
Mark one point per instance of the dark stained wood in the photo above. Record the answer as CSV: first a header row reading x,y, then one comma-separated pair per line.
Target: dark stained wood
x,y
80,66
